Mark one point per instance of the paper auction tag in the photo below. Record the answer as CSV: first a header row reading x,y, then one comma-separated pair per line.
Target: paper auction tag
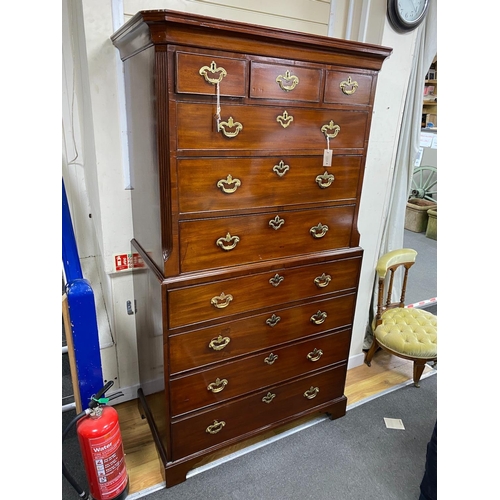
x,y
327,157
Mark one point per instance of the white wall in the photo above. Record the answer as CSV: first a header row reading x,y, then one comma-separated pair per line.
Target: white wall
x,y
93,124
388,110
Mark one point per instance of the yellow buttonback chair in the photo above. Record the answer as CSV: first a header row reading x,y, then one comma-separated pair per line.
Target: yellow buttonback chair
x,y
405,332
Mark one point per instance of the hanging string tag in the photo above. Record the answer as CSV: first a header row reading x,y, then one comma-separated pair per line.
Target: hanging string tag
x,y
327,154
217,114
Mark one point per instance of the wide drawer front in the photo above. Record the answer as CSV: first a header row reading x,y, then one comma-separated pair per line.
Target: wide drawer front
x,y
229,241
232,379
252,182
199,74
240,295
285,128
236,338
225,422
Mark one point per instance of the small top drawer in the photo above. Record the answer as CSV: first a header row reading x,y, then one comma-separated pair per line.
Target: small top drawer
x,y
199,74
348,88
271,81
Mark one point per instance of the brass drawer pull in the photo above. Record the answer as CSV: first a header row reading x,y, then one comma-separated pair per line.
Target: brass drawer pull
x,y
217,386
218,343
319,231
225,184
276,280
213,69
281,169
273,320
325,180
315,355
351,84
215,427
230,124
276,223
268,397
331,130
323,280
271,359
319,317
285,119
287,82
311,393
228,243
221,301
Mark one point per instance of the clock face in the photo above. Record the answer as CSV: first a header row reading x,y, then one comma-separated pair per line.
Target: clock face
x,y
406,15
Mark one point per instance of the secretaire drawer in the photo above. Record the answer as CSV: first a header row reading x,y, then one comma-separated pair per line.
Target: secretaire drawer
x,y
348,88
249,293
269,127
236,378
230,241
276,81
199,74
225,341
218,425
252,182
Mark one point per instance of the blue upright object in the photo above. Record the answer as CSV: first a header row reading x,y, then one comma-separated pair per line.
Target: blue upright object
x,y
82,313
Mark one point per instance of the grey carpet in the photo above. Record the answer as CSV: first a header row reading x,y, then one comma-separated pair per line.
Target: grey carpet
x,y
355,457
422,281
432,309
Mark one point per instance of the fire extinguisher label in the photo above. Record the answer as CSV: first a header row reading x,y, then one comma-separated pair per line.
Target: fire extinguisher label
x,y
108,458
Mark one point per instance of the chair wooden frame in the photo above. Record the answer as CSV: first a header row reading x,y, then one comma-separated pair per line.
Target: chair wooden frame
x,y
390,262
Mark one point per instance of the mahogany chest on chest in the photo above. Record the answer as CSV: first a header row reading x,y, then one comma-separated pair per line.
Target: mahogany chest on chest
x,y
247,148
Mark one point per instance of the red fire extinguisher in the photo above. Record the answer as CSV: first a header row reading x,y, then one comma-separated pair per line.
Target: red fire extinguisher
x,y
100,440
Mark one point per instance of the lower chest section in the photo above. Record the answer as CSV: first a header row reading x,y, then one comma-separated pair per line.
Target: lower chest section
x,y
248,352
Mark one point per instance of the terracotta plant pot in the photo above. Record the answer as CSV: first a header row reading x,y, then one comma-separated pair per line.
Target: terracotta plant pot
x,y
416,214
432,230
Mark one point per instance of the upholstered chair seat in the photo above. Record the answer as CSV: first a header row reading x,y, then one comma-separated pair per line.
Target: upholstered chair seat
x,y
412,332
405,332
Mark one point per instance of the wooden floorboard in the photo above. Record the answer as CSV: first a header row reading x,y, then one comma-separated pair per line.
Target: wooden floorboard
x,y
143,463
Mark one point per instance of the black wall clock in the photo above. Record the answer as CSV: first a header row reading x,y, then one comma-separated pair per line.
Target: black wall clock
x,y
406,15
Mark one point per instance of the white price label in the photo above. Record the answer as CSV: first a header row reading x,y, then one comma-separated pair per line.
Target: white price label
x,y
327,157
